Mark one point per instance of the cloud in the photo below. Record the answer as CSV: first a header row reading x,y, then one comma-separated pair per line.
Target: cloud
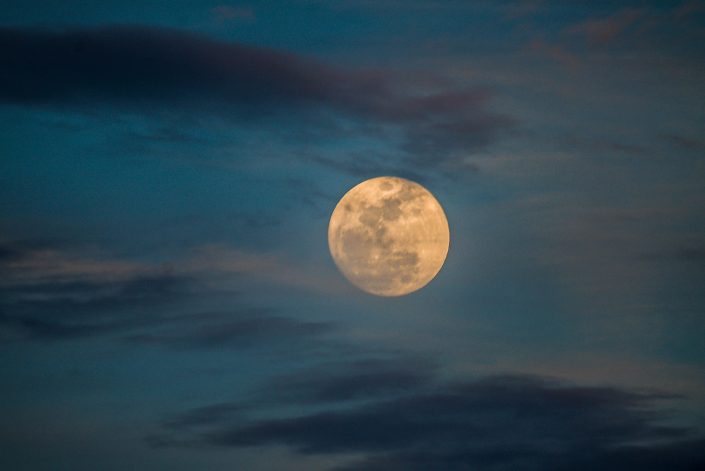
x,y
343,381
221,264
64,310
520,9
690,8
491,423
51,294
364,165
149,66
693,254
683,142
678,456
350,380
26,269
228,13
233,329
152,71
555,52
605,30
28,266
648,38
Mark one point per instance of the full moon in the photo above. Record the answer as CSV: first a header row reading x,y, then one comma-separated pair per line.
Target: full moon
x,y
389,236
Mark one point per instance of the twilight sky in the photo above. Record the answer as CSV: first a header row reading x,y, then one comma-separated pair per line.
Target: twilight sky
x,y
167,298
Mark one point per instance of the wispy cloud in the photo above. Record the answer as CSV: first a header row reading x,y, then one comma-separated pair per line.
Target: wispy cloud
x,y
52,294
214,261
23,268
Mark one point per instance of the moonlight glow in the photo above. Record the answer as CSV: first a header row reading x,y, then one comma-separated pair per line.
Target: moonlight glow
x,y
388,236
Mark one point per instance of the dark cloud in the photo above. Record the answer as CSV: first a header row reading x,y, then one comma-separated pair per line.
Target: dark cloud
x,y
69,309
350,380
147,66
684,455
145,311
334,382
495,423
683,142
48,295
692,254
151,70
687,254
9,252
607,147
206,415
14,250
231,329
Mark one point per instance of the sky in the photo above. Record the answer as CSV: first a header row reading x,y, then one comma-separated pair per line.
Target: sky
x,y
168,170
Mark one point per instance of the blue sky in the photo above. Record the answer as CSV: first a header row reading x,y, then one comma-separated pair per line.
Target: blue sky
x,y
167,298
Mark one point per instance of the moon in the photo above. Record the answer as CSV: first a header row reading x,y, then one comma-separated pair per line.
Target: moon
x,y
389,236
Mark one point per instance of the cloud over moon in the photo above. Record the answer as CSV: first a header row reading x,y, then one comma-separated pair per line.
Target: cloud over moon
x,y
151,70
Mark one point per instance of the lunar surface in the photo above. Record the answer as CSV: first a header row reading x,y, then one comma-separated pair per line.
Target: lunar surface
x,y
388,236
